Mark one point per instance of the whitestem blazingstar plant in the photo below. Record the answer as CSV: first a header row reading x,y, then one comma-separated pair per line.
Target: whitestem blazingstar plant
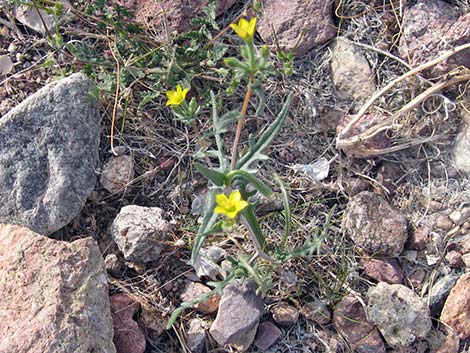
x,y
234,180
183,111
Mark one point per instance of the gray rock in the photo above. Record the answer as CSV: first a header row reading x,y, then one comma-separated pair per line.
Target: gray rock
x,y
298,25
117,173
350,71
139,232
240,310
374,225
439,292
48,155
196,335
28,15
54,295
399,314
206,264
461,151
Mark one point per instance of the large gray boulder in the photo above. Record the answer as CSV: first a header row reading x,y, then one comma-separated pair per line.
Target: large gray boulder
x,y
54,295
48,155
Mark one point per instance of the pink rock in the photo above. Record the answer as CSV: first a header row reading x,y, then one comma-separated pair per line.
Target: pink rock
x,y
299,25
418,238
128,337
374,225
54,295
350,321
383,270
431,27
456,310
454,258
444,222
195,290
267,335
179,13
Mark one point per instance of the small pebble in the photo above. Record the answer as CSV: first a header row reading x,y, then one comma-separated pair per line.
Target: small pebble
x,y
444,222
454,258
285,314
12,47
466,260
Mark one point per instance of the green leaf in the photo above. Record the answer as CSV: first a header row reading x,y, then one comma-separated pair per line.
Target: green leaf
x,y
207,222
288,214
254,151
257,183
250,218
216,177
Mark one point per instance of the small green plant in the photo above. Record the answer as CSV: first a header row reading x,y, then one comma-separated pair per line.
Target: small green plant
x,y
234,181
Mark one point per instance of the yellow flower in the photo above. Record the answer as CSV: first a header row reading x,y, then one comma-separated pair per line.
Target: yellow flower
x,y
230,206
176,97
245,29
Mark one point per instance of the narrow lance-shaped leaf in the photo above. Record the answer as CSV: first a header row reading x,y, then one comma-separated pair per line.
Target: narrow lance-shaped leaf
x,y
207,222
266,138
216,177
257,183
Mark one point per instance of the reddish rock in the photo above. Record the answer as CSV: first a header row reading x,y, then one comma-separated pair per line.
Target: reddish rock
x,y
179,13
350,321
54,295
383,270
374,225
454,258
418,238
128,337
298,25
195,290
267,335
284,314
456,310
431,27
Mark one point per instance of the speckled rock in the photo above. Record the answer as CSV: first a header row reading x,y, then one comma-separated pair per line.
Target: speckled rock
x,y
48,155
284,314
456,310
117,173
128,337
139,232
350,70
461,150
431,27
54,295
176,14
374,225
238,317
196,335
298,25
400,315
349,319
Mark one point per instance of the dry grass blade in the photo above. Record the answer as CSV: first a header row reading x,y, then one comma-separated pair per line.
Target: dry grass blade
x,y
341,142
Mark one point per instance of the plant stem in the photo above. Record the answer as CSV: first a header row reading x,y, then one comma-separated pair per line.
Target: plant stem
x,y
240,124
202,144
